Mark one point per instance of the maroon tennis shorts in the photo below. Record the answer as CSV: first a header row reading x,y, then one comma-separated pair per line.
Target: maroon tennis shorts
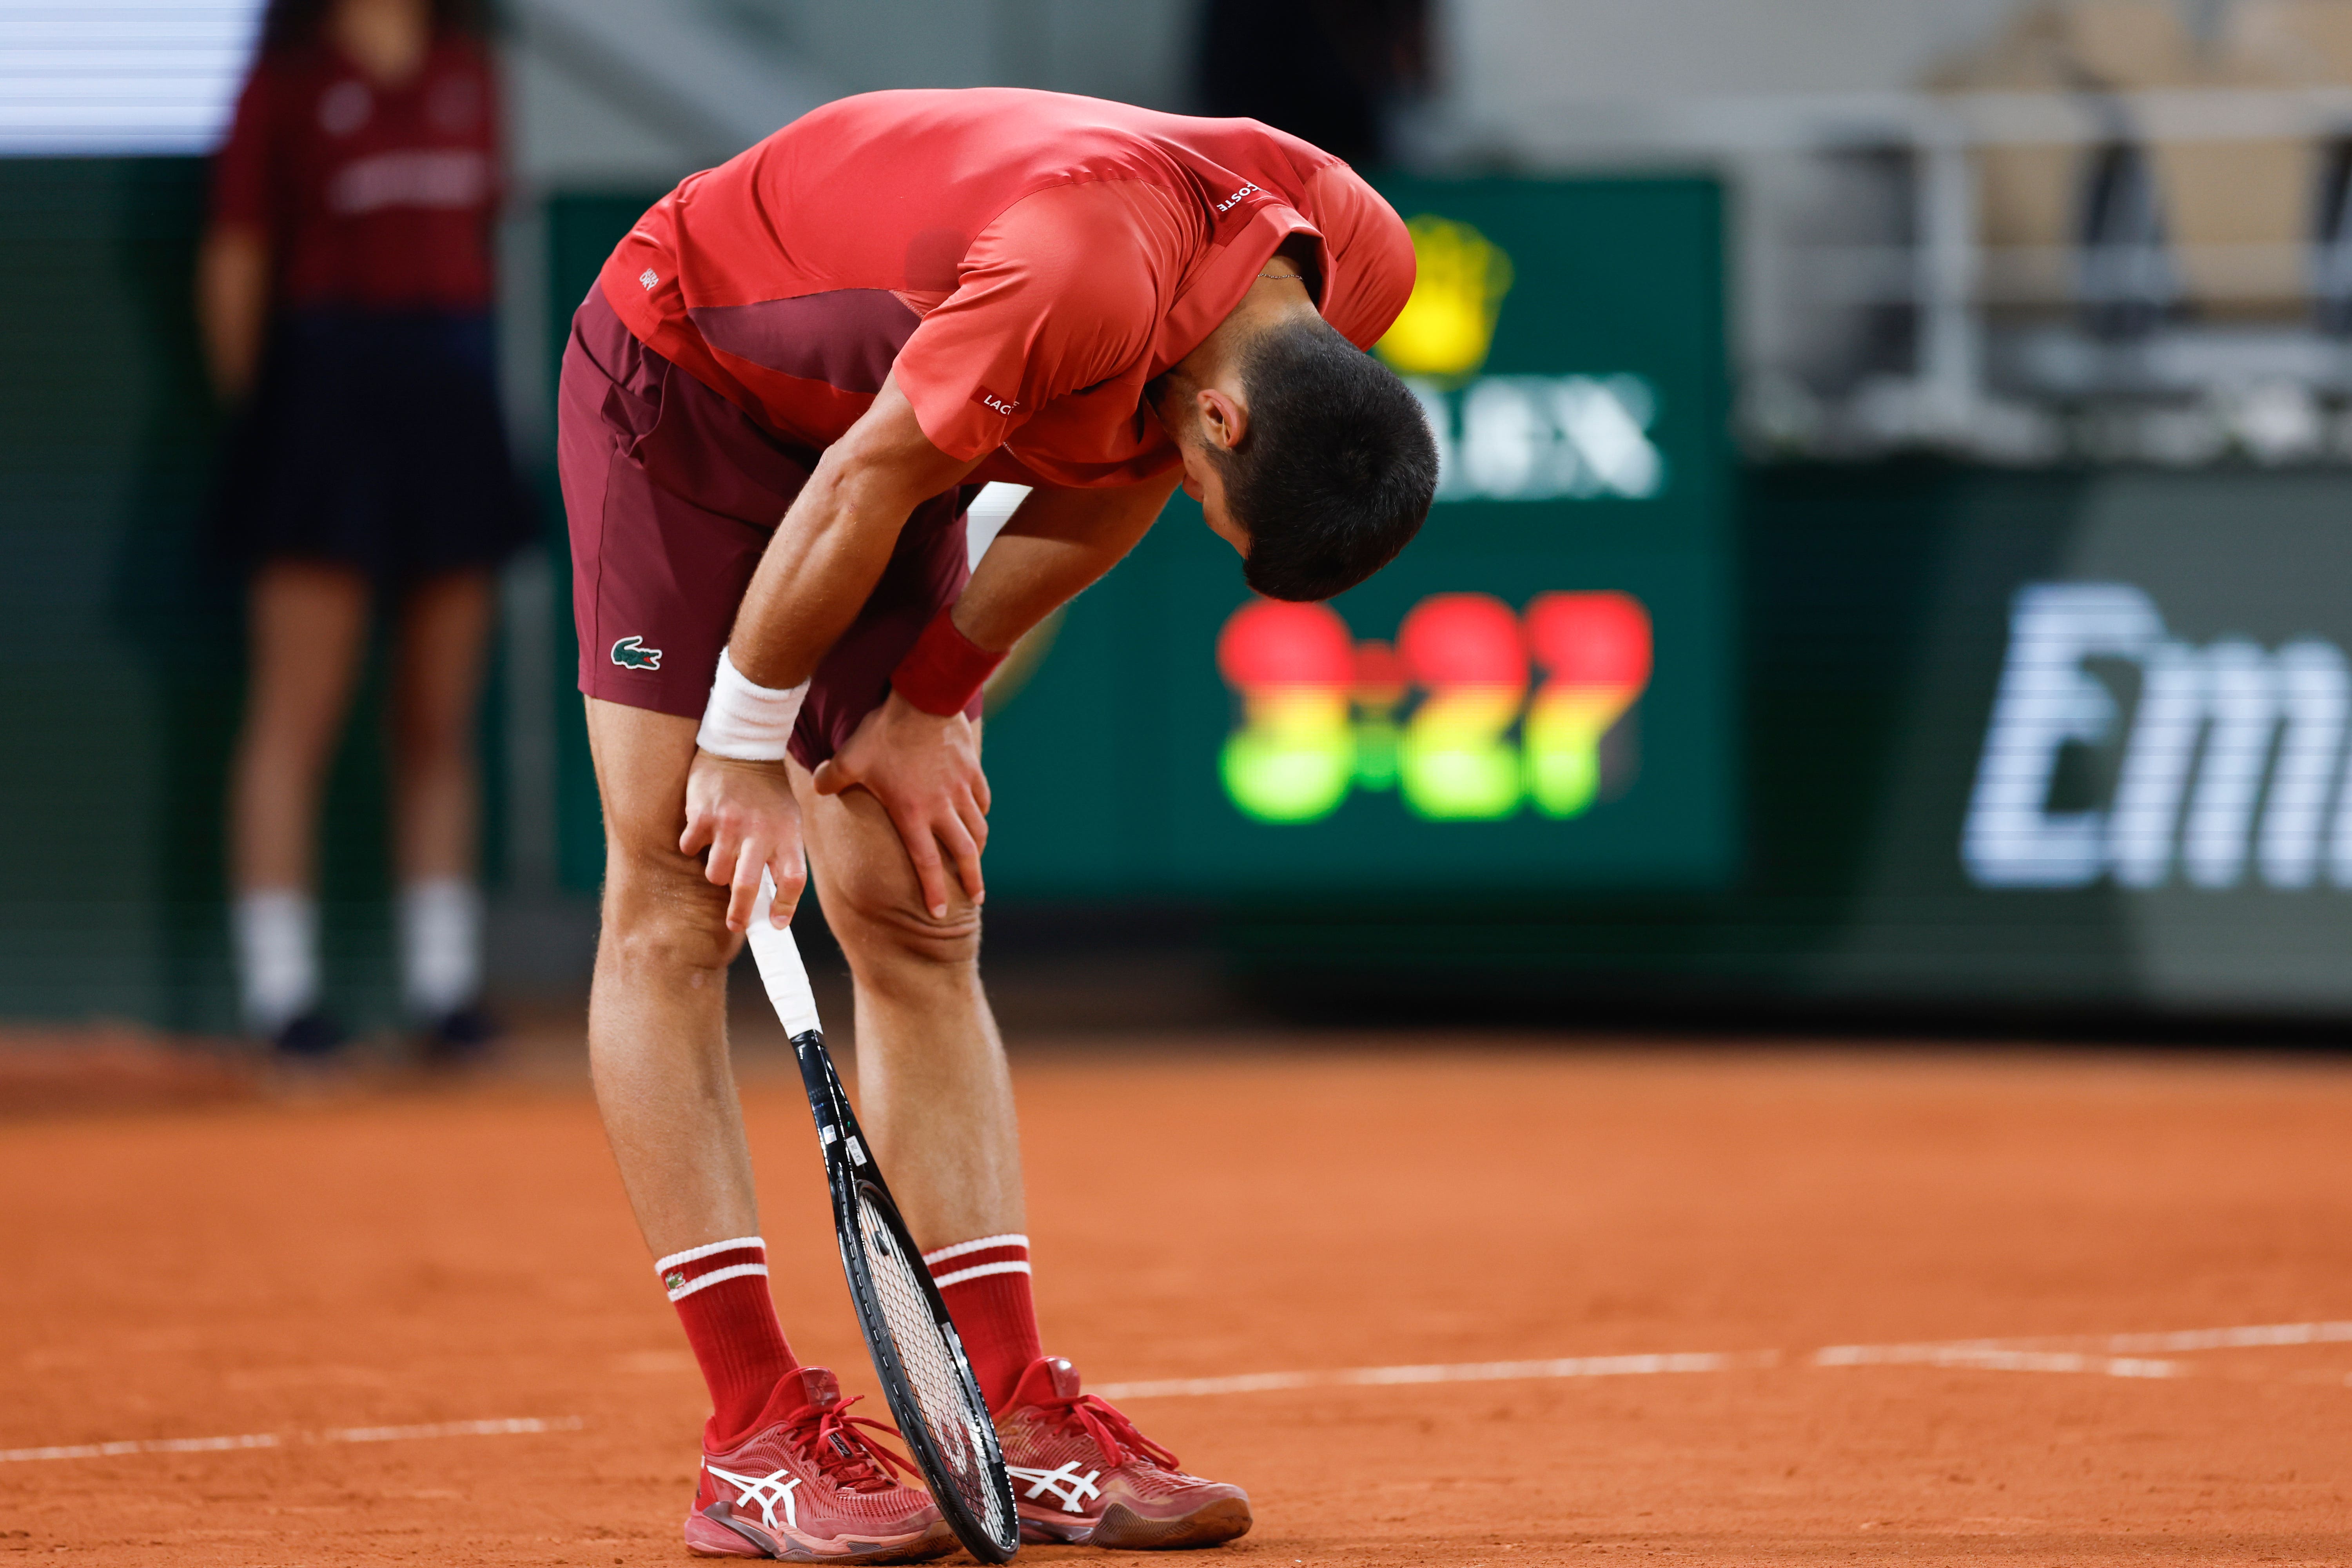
x,y
671,493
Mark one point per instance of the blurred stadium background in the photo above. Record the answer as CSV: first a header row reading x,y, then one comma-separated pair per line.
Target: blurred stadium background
x,y
1892,550
1892,566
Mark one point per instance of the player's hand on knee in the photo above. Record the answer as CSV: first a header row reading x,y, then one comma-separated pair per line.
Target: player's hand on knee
x,y
741,817
926,772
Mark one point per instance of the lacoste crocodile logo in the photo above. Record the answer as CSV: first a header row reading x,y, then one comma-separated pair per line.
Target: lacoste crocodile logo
x,y
631,653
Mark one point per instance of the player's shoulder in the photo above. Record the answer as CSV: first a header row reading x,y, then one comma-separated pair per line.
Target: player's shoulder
x,y
1116,244
1370,249
1337,196
1078,211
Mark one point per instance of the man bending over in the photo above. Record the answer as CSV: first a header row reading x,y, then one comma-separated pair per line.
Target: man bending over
x,y
775,406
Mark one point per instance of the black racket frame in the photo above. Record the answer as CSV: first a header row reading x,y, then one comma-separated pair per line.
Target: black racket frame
x,y
849,1168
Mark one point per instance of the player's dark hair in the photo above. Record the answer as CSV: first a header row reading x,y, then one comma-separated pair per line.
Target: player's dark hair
x,y
291,24
1335,471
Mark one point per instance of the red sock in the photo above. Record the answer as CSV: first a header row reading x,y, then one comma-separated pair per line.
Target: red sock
x,y
720,1292
986,1286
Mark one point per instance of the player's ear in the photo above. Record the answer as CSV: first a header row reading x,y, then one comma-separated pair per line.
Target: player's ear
x,y
1223,418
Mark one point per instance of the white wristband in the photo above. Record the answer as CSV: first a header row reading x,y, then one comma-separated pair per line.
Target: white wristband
x,y
750,723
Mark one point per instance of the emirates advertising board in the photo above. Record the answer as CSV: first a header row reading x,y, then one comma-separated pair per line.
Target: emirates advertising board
x,y
2127,764
1536,694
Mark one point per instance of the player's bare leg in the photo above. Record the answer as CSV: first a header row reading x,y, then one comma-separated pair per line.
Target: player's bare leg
x,y
933,1091
935,1097
657,1008
657,1046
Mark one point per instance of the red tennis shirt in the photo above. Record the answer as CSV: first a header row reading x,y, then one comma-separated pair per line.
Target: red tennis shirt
x,y
1024,261
373,196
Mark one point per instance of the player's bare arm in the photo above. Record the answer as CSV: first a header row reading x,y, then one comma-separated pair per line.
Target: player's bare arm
x,y
925,768
816,571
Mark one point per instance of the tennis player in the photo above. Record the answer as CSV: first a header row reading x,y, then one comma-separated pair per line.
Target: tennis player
x,y
775,406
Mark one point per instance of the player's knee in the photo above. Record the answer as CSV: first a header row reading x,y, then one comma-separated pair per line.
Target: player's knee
x,y
885,927
662,916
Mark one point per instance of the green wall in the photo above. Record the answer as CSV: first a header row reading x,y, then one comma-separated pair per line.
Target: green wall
x,y
122,689
122,685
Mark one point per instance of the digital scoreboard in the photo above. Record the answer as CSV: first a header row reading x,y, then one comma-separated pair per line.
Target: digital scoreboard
x,y
1536,695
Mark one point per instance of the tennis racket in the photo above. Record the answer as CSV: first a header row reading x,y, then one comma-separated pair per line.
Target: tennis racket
x,y
917,1352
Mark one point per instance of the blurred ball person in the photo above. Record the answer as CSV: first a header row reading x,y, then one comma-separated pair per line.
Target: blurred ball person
x,y
344,294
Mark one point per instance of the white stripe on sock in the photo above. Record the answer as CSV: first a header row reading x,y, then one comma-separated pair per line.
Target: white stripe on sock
x,y
708,1249
960,1275
983,1245
732,1271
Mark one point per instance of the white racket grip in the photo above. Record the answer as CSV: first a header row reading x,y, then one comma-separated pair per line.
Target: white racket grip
x,y
780,970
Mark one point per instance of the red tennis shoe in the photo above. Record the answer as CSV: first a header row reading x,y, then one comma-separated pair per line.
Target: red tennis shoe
x,y
1083,1475
808,1487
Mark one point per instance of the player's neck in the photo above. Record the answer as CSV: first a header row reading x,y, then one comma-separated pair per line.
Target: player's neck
x,y
1270,302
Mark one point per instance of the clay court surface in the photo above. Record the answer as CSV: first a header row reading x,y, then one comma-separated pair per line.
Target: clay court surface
x,y
1677,1231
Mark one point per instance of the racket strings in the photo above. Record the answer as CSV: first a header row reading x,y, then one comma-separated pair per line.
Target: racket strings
x,y
939,1385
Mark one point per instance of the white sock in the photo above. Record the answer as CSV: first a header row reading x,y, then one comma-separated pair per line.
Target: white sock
x,y
276,935
440,945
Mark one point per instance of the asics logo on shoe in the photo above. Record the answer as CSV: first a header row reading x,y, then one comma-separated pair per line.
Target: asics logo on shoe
x,y
1069,1487
763,1490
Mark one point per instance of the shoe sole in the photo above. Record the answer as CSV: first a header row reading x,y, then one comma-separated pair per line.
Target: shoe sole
x,y
1120,1529
934,1542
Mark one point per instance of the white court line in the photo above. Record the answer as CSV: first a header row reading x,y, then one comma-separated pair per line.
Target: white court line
x,y
1457,1372
2252,1336
2107,1356
500,1428
1992,1358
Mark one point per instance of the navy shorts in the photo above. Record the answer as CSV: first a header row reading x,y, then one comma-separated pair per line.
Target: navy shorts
x,y
374,440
